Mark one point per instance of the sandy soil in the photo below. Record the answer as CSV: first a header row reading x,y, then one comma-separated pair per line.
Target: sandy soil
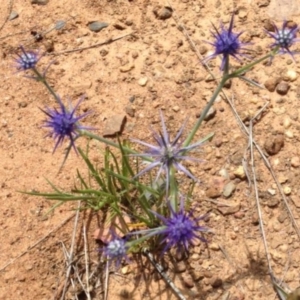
x,y
152,68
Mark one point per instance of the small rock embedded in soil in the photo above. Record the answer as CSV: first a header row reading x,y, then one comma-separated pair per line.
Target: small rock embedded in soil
x,y
163,13
290,75
114,125
188,281
13,16
210,114
271,83
126,68
176,108
287,190
180,267
39,2
97,26
274,144
228,210
143,81
130,111
229,189
282,88
239,172
295,162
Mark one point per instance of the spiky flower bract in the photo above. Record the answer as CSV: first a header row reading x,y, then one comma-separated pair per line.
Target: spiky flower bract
x,y
27,59
180,229
167,154
284,38
226,43
116,249
64,124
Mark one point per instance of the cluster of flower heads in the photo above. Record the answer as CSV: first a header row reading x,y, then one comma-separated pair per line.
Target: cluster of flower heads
x,y
179,229
227,42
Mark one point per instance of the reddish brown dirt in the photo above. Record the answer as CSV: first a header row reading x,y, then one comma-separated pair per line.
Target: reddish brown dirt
x,y
233,266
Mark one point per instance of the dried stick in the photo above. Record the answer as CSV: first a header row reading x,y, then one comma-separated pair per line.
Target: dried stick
x,y
108,41
160,270
38,242
10,6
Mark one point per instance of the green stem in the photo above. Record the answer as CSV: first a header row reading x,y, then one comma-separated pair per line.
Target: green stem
x,y
106,141
249,66
173,189
205,111
42,79
225,77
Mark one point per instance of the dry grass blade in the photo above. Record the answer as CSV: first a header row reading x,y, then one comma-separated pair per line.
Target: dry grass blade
x,y
261,224
268,165
71,255
87,289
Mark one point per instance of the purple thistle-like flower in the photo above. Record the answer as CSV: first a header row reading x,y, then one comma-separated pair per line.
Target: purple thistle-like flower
x,y
64,124
27,59
226,43
166,153
181,229
284,38
116,250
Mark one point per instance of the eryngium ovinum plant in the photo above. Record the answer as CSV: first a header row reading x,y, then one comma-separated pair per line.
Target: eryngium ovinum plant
x,y
120,185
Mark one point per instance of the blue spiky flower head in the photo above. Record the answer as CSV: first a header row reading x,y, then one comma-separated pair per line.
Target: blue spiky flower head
x,y
167,154
63,123
180,229
284,38
226,43
26,60
116,249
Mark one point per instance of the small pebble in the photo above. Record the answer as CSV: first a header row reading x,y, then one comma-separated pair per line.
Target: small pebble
x,y
295,162
126,68
243,14
214,246
289,134
287,190
134,54
290,75
39,2
188,281
163,13
272,192
279,110
210,114
130,111
180,267
119,26
274,144
176,108
282,88
287,122
216,282
143,81
271,84
13,15
97,26
239,172
114,125
229,188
